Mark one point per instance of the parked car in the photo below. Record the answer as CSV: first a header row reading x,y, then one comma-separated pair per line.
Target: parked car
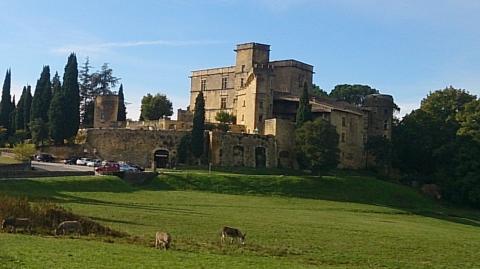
x,y
127,168
108,168
138,167
70,160
94,163
44,157
83,161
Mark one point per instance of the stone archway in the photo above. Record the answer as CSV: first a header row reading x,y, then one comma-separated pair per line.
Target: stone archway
x,y
161,158
260,157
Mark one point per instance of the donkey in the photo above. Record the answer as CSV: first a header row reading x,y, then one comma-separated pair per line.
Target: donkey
x,y
68,227
163,240
233,233
15,223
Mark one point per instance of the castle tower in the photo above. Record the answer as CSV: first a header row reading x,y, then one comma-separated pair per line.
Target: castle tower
x,y
379,109
105,111
253,76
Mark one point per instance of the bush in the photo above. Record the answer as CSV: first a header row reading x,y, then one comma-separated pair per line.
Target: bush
x,y
24,152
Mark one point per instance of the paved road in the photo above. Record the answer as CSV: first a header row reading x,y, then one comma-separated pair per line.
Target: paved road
x,y
59,167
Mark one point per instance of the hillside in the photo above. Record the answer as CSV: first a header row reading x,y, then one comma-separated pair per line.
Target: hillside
x,y
345,221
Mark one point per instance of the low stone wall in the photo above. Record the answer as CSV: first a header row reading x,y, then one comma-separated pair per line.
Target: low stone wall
x,y
15,167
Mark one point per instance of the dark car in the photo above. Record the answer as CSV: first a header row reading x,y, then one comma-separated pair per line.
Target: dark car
x,y
44,157
71,160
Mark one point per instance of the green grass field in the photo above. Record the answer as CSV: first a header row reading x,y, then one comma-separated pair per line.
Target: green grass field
x,y
347,221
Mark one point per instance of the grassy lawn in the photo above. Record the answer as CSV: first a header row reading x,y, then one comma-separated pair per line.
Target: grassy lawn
x,y
8,160
291,222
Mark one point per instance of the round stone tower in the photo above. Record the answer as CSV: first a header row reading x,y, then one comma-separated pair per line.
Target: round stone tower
x,y
379,115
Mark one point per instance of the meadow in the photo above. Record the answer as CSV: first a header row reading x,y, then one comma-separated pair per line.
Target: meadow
x,y
340,221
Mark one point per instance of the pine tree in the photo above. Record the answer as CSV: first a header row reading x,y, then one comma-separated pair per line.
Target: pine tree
x,y
41,97
72,97
198,129
20,111
5,103
57,112
304,112
27,104
122,110
13,124
86,92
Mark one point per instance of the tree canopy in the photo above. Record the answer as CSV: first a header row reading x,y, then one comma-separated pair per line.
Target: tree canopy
x,y
354,94
304,111
316,144
155,107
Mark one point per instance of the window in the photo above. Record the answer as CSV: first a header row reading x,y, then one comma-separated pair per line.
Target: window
x,y
260,105
223,103
260,117
243,68
385,112
224,83
243,103
102,115
241,82
343,137
243,117
385,125
344,122
203,85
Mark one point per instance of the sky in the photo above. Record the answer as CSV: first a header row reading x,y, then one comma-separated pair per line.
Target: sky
x,y
406,48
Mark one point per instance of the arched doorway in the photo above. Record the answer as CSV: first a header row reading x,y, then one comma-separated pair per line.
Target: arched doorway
x,y
260,157
160,158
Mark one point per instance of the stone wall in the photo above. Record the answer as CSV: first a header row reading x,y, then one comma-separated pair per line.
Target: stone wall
x,y
229,149
137,146
284,131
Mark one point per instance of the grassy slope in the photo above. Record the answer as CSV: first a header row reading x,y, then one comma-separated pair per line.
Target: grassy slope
x,y
345,222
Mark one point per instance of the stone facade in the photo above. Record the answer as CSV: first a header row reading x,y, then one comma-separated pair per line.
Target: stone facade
x,y
106,111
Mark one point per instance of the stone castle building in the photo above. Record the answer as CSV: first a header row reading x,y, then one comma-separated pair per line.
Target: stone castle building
x,y
264,96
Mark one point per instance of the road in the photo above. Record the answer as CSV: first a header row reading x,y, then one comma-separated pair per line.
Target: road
x,y
60,167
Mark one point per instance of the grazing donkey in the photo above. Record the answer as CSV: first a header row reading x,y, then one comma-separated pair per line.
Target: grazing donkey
x,y
15,223
233,233
68,227
163,240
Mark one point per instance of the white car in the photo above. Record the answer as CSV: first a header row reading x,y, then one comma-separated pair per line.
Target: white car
x,y
94,163
127,168
83,161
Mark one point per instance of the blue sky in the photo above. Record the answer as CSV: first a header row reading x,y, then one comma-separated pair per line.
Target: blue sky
x,y
404,48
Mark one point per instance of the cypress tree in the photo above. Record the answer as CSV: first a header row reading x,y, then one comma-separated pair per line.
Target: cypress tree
x,y
41,97
27,104
198,129
5,104
304,112
57,112
13,124
72,97
122,110
20,111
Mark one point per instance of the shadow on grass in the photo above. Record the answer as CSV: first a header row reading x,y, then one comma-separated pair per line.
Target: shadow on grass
x,y
341,188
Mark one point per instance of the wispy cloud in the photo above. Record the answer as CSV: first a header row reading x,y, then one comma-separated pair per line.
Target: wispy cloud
x,y
104,47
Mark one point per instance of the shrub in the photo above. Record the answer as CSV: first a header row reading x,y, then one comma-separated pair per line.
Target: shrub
x,y
24,152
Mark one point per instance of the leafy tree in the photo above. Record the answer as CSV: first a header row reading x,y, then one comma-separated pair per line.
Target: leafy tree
x,y
304,111
27,104
318,92
469,120
316,145
155,107
58,112
70,89
445,104
225,117
39,130
198,129
24,152
42,96
354,94
20,111
6,103
122,110
382,150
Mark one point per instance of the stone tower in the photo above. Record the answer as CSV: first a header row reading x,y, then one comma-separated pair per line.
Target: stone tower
x,y
253,79
106,111
379,109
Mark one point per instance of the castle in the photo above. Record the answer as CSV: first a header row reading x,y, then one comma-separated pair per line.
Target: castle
x,y
264,97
